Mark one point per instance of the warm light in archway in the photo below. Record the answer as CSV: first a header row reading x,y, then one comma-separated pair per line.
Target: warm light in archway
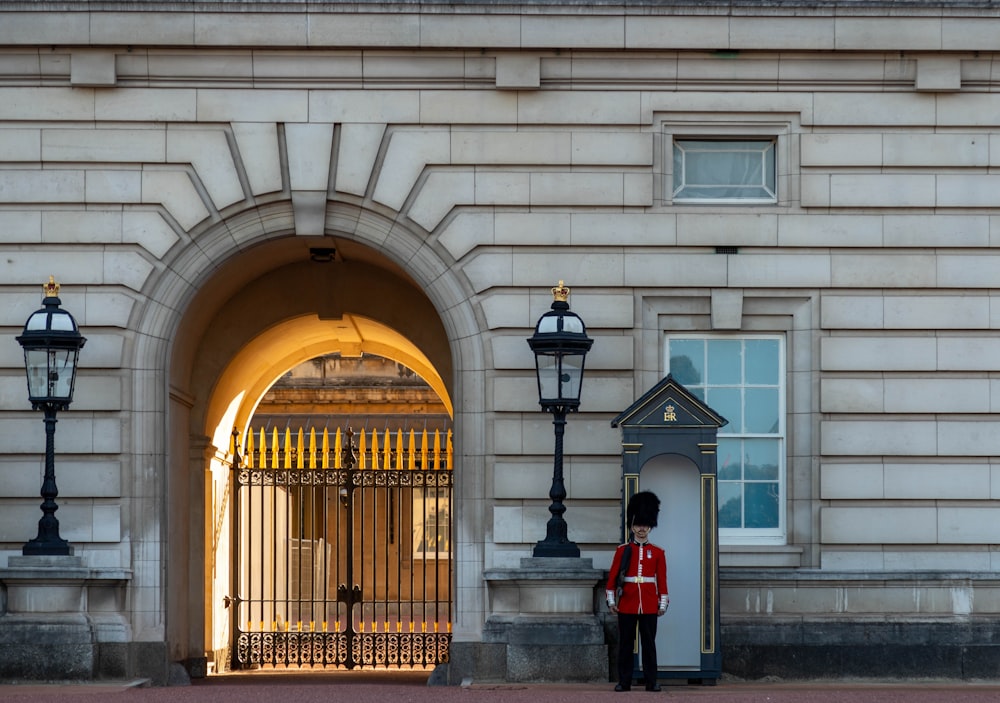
x,y
252,371
224,429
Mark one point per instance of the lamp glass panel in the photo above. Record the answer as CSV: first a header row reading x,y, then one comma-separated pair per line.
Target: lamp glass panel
x,y
50,373
571,376
36,364
62,322
62,363
548,376
39,321
548,324
572,323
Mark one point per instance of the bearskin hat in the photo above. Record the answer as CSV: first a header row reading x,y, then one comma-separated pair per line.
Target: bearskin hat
x,y
643,509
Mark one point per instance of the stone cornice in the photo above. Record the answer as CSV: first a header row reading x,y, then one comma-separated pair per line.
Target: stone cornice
x,y
634,25
736,8
458,6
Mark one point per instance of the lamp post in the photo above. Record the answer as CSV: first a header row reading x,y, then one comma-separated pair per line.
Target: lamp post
x,y
560,344
52,343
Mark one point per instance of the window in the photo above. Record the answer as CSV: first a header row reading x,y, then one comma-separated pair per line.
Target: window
x,y
741,378
724,171
431,523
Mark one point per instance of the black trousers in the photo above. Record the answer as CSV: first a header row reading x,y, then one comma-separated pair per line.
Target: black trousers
x,y
628,623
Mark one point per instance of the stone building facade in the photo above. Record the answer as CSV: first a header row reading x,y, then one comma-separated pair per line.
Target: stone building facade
x,y
793,207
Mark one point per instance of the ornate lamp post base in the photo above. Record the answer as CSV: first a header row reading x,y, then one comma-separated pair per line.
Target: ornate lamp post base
x,y
47,548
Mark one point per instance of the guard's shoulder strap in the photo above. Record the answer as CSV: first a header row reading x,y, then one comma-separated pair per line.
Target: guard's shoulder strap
x,y
626,556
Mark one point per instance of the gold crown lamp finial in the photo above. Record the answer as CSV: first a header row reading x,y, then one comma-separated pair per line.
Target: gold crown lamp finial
x,y
51,288
560,293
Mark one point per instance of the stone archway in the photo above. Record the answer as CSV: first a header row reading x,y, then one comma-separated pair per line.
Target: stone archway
x,y
287,316
228,326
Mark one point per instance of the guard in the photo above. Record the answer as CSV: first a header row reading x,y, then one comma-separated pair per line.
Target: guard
x,y
637,591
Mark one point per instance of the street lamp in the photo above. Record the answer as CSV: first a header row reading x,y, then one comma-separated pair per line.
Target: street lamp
x,y
52,343
560,344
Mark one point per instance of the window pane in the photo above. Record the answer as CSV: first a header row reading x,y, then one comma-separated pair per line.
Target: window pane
x,y
687,361
760,459
769,171
678,166
726,402
724,169
724,362
729,460
761,410
761,505
762,362
730,505
741,378
717,168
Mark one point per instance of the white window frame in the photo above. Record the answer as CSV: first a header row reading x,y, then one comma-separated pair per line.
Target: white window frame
x,y
778,128
743,535
766,149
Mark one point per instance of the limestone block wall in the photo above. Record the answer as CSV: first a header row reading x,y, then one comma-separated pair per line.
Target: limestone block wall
x,y
126,167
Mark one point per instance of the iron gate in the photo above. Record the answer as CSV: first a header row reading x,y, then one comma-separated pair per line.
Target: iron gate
x,y
342,554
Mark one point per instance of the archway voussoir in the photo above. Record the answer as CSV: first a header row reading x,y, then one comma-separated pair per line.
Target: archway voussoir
x,y
372,229
341,217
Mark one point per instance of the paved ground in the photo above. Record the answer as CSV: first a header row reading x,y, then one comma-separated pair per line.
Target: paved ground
x,y
410,687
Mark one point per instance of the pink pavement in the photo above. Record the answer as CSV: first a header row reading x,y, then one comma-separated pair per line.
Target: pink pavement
x,y
411,687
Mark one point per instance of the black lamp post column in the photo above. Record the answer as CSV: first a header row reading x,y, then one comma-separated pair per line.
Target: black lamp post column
x,y
51,341
560,345
556,542
48,540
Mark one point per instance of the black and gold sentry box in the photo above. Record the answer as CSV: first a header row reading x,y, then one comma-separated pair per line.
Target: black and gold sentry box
x,y
669,440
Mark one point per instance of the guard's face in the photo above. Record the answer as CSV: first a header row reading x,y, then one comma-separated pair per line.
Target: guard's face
x,y
640,532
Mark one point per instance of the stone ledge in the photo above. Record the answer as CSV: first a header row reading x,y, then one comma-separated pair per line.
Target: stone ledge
x,y
544,587
544,568
61,584
85,574
738,556
806,577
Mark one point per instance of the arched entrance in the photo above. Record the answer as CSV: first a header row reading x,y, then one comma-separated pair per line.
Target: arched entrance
x,y
265,306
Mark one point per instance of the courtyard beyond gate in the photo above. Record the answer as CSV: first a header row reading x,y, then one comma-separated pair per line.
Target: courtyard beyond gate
x,y
342,549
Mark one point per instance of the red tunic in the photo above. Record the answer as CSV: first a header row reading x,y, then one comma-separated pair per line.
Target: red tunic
x,y
645,589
